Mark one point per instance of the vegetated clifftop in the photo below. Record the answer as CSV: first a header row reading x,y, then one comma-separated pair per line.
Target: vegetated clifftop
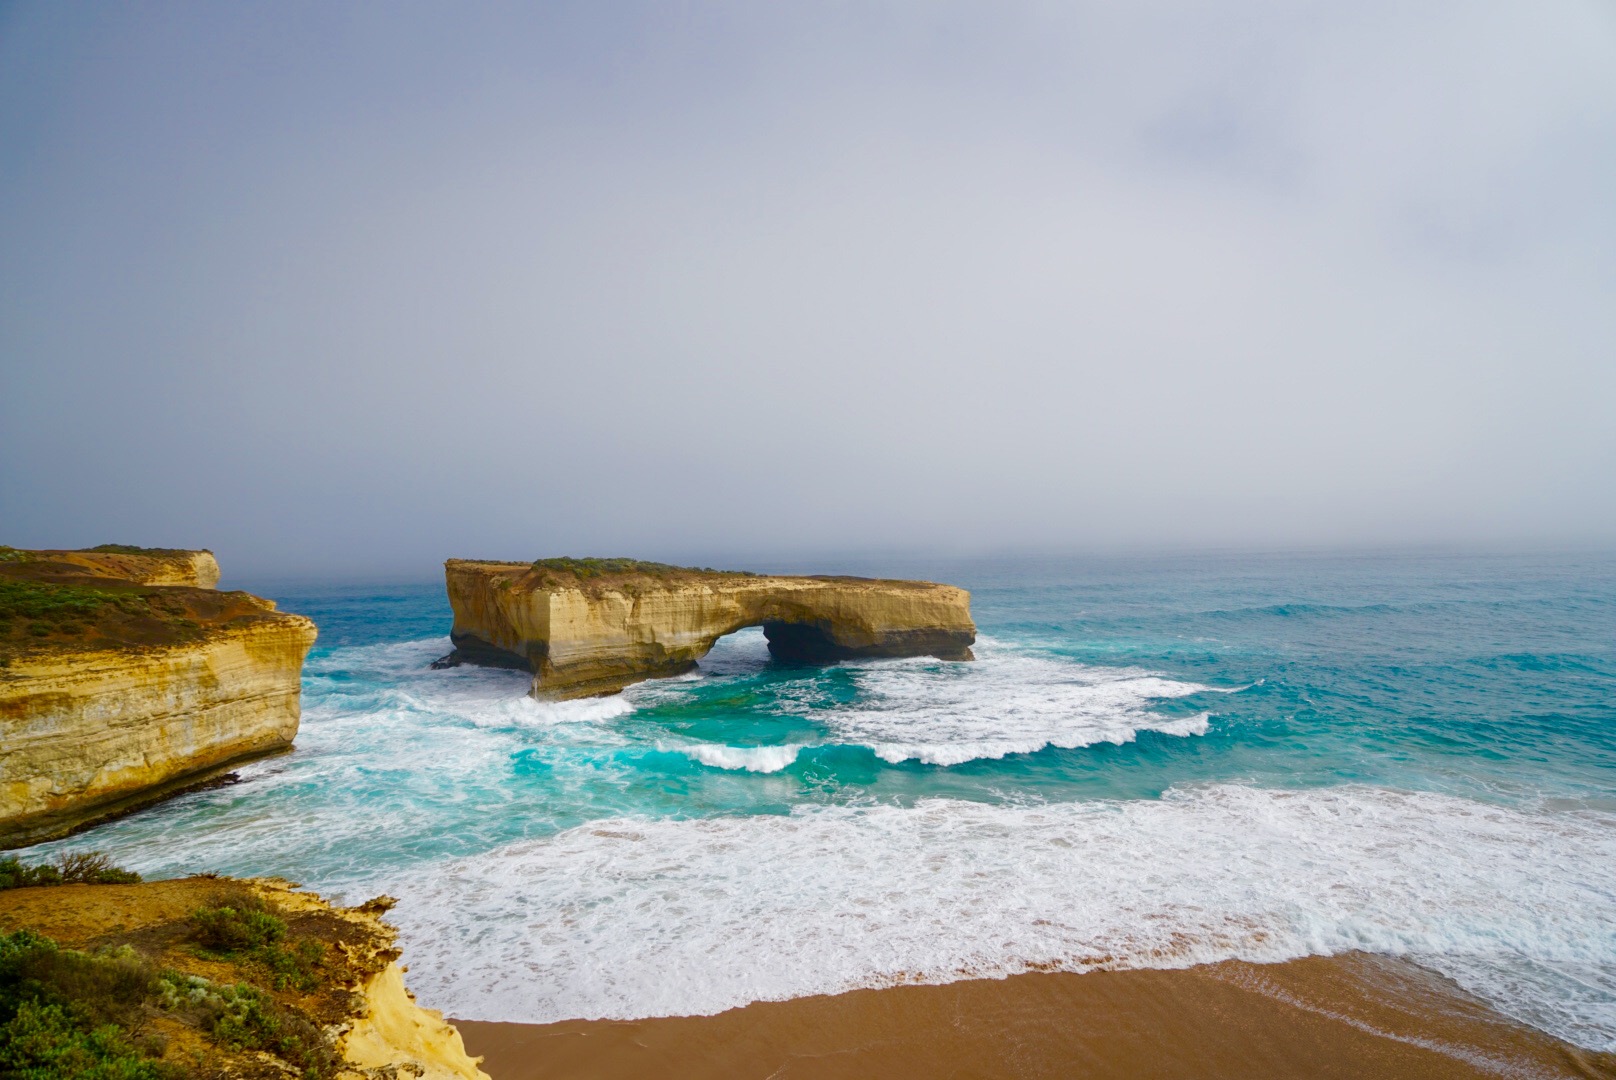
x,y
593,626
115,691
212,978
143,566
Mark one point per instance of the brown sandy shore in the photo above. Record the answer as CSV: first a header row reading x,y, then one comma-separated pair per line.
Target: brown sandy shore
x,y
1348,1016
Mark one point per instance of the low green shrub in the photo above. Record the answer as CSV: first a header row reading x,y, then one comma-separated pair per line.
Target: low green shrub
x,y
67,1014
238,922
72,1015
44,1042
78,868
15,875
242,927
99,988
242,1018
297,967
47,605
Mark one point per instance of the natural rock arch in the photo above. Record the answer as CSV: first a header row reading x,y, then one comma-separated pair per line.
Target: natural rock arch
x,y
588,627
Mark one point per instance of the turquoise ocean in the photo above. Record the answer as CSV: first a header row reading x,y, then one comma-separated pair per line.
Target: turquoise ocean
x,y
1153,762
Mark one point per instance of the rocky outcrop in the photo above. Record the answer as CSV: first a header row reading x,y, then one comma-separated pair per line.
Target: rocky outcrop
x,y
114,694
143,566
588,627
355,1005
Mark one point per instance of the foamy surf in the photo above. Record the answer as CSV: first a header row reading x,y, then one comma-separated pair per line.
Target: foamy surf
x,y
632,918
1005,703
761,759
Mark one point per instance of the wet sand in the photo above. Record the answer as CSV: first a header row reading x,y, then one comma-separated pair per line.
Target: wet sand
x,y
1348,1016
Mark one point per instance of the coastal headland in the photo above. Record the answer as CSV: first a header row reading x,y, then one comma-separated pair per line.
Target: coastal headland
x,y
587,627
126,677
209,977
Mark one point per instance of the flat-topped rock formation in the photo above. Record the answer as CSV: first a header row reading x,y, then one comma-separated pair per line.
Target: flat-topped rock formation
x,y
593,626
118,688
143,566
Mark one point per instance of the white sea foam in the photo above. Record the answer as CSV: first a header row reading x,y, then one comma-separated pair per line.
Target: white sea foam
x,y
633,917
1007,702
482,697
761,759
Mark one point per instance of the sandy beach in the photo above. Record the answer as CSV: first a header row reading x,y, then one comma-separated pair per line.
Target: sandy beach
x,y
1356,1015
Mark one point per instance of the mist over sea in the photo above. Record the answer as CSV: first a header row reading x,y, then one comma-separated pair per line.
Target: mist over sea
x,y
1153,763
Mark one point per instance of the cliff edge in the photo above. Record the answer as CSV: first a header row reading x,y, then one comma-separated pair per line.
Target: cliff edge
x,y
219,978
125,679
593,626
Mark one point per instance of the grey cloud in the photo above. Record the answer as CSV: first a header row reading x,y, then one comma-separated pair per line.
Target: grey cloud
x,y
343,287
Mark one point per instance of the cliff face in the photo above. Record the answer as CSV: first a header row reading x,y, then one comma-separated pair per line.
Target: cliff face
x,y
583,634
114,694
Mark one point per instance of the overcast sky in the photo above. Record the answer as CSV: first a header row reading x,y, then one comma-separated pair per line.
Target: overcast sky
x,y
336,286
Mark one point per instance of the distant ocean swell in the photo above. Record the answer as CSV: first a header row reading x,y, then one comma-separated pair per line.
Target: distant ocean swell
x,y
639,917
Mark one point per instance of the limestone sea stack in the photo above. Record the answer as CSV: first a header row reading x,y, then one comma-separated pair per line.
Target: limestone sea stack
x,y
126,677
587,627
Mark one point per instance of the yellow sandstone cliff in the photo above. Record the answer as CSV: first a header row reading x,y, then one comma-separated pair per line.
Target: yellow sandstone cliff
x,y
593,626
143,566
115,692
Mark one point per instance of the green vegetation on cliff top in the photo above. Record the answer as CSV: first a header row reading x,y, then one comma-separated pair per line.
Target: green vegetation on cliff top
x,y
50,613
585,569
70,1015
48,602
56,605
112,1012
11,554
76,868
239,926
67,1014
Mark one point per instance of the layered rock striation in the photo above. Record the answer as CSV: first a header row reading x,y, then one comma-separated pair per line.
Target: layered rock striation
x,y
116,692
591,626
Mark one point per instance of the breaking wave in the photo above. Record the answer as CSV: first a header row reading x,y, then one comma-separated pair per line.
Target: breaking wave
x,y
640,917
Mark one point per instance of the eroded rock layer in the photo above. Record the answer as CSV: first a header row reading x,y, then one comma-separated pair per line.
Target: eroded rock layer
x,y
115,693
584,631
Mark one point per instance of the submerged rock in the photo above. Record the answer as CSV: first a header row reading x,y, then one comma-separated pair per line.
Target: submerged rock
x,y
593,626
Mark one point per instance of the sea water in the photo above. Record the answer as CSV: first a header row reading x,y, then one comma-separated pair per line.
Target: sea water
x,y
1152,763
